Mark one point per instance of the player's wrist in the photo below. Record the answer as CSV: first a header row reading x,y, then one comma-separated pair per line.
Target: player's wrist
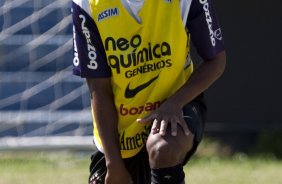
x,y
116,165
114,161
175,103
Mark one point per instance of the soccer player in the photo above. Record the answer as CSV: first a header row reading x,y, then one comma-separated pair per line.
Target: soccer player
x,y
147,99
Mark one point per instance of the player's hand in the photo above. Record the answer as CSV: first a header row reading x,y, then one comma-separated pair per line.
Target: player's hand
x,y
168,113
117,175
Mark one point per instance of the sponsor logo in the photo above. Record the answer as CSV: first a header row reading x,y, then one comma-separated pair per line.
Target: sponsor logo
x,y
91,49
136,141
130,93
108,13
217,34
148,107
75,53
209,20
158,52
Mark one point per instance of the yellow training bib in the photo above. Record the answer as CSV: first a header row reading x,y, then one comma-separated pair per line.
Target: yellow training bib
x,y
147,60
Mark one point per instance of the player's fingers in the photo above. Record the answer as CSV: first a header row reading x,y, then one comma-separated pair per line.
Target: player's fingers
x,y
173,125
184,126
147,119
163,127
155,127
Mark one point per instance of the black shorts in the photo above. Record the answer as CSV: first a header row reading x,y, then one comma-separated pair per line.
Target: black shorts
x,y
138,165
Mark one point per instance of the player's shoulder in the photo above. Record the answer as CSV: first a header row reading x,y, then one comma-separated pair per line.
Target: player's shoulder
x,y
83,4
199,7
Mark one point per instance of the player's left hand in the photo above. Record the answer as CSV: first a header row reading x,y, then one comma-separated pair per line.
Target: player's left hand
x,y
168,113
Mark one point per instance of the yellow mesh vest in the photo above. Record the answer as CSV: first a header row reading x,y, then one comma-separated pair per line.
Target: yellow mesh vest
x,y
147,60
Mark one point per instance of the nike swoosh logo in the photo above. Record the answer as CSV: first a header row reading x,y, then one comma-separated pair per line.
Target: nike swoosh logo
x,y
130,93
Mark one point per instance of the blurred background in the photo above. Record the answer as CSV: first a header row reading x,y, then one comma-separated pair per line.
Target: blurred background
x,y
41,103
44,107
245,105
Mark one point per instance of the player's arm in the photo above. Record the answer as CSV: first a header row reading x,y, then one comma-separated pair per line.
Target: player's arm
x,y
90,62
206,36
106,120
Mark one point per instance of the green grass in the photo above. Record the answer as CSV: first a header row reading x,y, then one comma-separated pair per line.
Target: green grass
x,y
43,168
72,168
236,170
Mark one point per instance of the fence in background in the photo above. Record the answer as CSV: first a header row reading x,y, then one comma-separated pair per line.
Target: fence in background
x,y
41,103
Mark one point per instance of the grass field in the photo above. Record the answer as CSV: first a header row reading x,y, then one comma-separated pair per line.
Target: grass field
x,y
234,171
212,164
72,168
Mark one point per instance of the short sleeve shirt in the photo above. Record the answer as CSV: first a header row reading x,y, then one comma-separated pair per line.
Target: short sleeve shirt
x,y
147,60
